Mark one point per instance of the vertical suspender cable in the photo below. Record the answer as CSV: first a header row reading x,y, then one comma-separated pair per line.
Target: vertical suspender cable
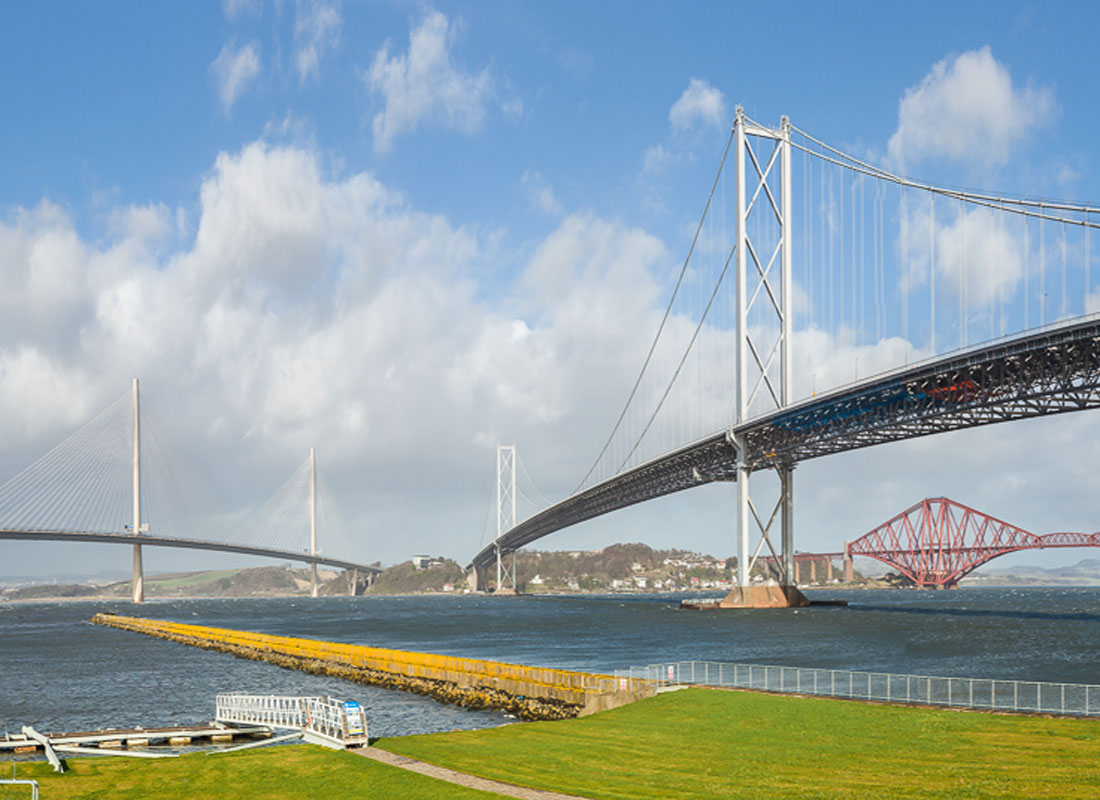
x,y
1027,273
1042,272
852,254
964,299
840,246
1063,312
903,267
932,272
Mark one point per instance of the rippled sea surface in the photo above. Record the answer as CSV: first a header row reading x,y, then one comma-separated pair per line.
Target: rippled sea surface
x,y
59,673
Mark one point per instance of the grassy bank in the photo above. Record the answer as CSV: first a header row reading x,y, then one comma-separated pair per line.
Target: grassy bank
x,y
688,744
705,744
291,772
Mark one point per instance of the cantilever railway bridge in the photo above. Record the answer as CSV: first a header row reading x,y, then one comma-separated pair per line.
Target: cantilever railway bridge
x,y
937,542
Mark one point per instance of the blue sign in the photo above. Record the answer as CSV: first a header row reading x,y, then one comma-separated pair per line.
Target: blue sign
x,y
354,715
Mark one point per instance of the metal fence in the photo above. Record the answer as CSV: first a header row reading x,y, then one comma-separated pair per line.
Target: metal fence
x,y
331,719
1068,699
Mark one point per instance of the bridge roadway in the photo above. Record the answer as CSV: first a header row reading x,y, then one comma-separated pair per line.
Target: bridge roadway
x,y
192,544
1050,371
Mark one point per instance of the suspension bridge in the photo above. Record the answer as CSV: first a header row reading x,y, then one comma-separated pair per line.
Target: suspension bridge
x,y
85,489
836,306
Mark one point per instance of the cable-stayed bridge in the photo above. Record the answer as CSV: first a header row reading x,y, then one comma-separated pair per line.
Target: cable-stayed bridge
x,y
92,487
835,306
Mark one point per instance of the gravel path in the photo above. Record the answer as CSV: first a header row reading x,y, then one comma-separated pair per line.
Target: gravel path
x,y
461,778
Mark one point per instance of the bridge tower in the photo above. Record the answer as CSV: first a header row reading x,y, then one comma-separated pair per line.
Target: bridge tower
x,y
506,513
137,581
764,231
313,521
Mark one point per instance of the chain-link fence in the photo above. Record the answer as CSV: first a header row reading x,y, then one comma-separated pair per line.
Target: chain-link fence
x,y
1069,699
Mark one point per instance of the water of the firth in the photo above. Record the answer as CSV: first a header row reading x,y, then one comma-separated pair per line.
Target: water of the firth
x,y
58,672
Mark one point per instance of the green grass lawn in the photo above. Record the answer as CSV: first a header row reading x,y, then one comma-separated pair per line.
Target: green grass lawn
x,y
694,743
294,771
700,743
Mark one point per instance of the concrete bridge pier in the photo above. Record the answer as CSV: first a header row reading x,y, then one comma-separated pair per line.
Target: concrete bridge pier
x,y
770,595
849,571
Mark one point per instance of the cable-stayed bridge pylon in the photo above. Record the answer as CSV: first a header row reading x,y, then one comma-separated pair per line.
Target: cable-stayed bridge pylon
x,y
112,482
826,304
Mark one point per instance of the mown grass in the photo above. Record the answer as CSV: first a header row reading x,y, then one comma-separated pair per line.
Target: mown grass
x,y
706,744
291,772
690,744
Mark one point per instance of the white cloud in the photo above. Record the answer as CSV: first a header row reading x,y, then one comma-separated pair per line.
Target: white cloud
x,y
424,85
977,255
700,104
232,8
308,310
656,159
316,29
968,108
541,194
234,69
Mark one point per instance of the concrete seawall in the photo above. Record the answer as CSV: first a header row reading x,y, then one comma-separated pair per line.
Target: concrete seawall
x,y
527,692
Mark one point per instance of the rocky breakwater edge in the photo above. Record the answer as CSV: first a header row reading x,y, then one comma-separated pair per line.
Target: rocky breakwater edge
x,y
528,693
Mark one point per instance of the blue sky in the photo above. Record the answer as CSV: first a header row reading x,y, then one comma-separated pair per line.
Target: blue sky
x,y
395,231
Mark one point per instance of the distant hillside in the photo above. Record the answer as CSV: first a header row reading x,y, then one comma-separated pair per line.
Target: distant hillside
x,y
1085,572
252,582
404,578
620,567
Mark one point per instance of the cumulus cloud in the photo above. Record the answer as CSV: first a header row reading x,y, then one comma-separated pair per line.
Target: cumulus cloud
x,y
968,108
700,104
234,69
976,256
316,29
424,85
311,310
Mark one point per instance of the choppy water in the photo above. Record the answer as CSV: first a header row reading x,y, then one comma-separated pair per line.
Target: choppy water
x,y
59,672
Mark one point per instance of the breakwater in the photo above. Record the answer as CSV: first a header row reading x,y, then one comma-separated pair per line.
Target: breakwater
x,y
529,693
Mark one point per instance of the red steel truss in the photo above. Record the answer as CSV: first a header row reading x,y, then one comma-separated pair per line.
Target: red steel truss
x,y
938,541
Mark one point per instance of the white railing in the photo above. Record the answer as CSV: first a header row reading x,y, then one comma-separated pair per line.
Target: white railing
x,y
1068,699
15,782
328,719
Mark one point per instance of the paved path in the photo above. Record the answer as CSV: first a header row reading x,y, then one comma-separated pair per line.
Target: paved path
x,y
461,778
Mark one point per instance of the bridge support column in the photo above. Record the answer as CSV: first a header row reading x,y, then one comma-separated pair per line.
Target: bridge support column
x,y
766,595
769,301
849,572
137,582
506,515
353,583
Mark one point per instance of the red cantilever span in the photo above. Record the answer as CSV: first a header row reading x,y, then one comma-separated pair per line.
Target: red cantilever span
x,y
938,541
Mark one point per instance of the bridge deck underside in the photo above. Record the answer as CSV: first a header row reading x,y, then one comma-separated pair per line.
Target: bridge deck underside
x,y
190,544
1050,372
